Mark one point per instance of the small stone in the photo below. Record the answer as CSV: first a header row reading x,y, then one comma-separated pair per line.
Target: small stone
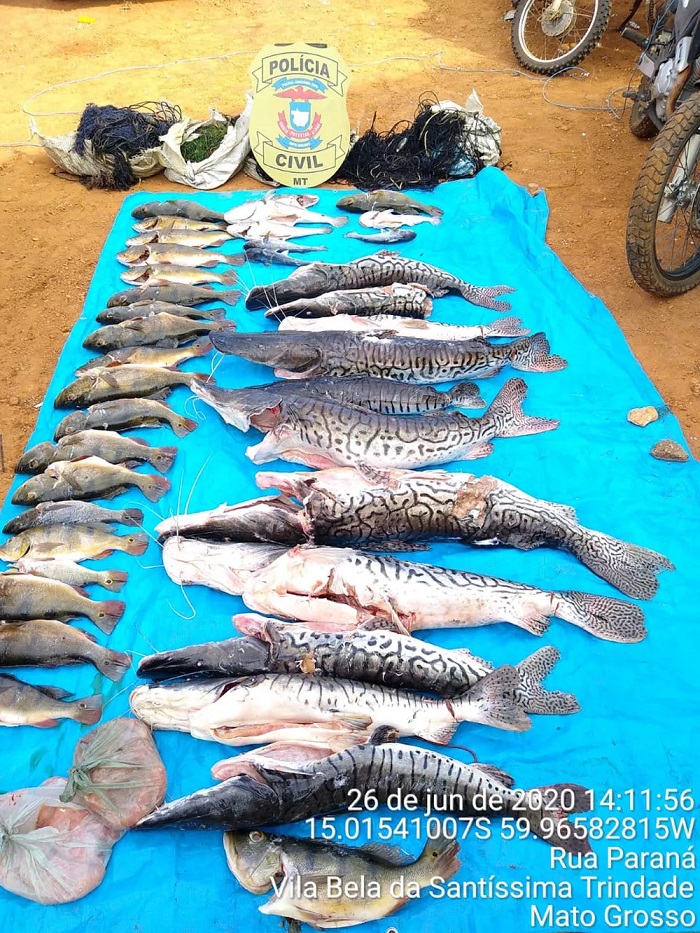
x,y
13,400
643,416
669,450
695,387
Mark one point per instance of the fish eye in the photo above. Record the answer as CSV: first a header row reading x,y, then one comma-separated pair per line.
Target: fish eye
x,y
256,836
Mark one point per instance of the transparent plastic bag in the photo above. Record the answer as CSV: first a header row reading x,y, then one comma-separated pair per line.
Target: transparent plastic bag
x,y
117,773
51,852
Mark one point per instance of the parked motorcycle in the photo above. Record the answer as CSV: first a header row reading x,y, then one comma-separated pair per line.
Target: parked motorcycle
x,y
663,224
550,35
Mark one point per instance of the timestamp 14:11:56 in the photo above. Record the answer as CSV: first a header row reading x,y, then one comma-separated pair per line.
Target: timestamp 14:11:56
x,y
670,799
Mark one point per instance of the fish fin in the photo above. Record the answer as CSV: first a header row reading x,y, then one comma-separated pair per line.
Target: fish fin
x,y
530,617
229,278
466,395
628,567
235,259
383,734
531,354
45,724
479,451
107,614
114,665
535,698
159,395
184,426
357,721
87,711
441,854
86,635
467,655
494,701
138,546
404,547
506,327
496,774
312,917
486,297
506,416
166,457
113,493
441,735
81,591
55,693
155,488
392,855
603,616
557,830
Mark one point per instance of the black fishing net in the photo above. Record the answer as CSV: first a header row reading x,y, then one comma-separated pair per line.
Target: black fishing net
x,y
437,145
121,133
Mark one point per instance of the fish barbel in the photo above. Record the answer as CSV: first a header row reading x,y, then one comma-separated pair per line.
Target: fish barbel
x,y
24,597
177,207
331,784
339,589
351,508
410,301
395,326
175,294
254,405
24,704
322,434
299,867
89,478
382,199
384,658
406,359
383,268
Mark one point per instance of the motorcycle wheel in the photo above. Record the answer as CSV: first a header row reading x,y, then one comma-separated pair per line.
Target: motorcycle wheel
x,y
546,41
663,224
641,125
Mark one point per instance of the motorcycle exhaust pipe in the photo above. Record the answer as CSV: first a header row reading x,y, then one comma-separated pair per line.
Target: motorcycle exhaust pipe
x,y
678,86
634,35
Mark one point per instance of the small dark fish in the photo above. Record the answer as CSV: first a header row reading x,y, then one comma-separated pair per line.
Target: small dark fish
x,y
385,236
123,414
275,243
177,207
382,200
49,643
149,308
27,705
24,597
273,257
71,512
175,294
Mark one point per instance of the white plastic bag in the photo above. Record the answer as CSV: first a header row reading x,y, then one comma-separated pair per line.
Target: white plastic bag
x,y
51,852
224,162
481,132
60,150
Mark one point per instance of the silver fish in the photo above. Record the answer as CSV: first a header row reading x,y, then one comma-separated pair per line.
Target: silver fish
x,y
385,236
383,268
277,244
108,445
123,414
68,571
25,597
273,257
167,273
176,208
113,382
339,589
117,315
178,254
175,294
155,357
161,329
347,507
71,513
321,434
405,327
255,405
180,237
174,223
406,359
90,478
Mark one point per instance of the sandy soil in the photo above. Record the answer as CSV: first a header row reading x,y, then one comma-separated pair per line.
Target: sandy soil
x,y
53,230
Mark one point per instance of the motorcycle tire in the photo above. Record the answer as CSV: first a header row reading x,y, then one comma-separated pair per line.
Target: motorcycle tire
x,y
531,11
649,193
641,125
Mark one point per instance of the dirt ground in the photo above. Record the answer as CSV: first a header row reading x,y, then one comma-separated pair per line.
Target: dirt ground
x,y
53,230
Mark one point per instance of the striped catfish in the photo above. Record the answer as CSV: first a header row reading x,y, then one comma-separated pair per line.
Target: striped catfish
x,y
381,509
384,658
405,301
340,589
278,707
274,795
251,405
271,519
383,268
405,327
322,433
407,359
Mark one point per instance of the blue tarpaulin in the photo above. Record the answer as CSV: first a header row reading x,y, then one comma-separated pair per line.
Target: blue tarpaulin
x,y
636,734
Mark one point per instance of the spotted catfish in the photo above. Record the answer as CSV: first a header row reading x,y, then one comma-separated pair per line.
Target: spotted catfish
x,y
339,589
383,268
382,509
321,433
409,301
383,354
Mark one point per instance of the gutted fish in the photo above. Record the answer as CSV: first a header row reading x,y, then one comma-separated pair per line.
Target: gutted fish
x,y
321,434
278,245
385,236
383,268
49,643
273,257
338,589
406,359
388,219
122,415
347,507
410,301
225,567
331,784
256,405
